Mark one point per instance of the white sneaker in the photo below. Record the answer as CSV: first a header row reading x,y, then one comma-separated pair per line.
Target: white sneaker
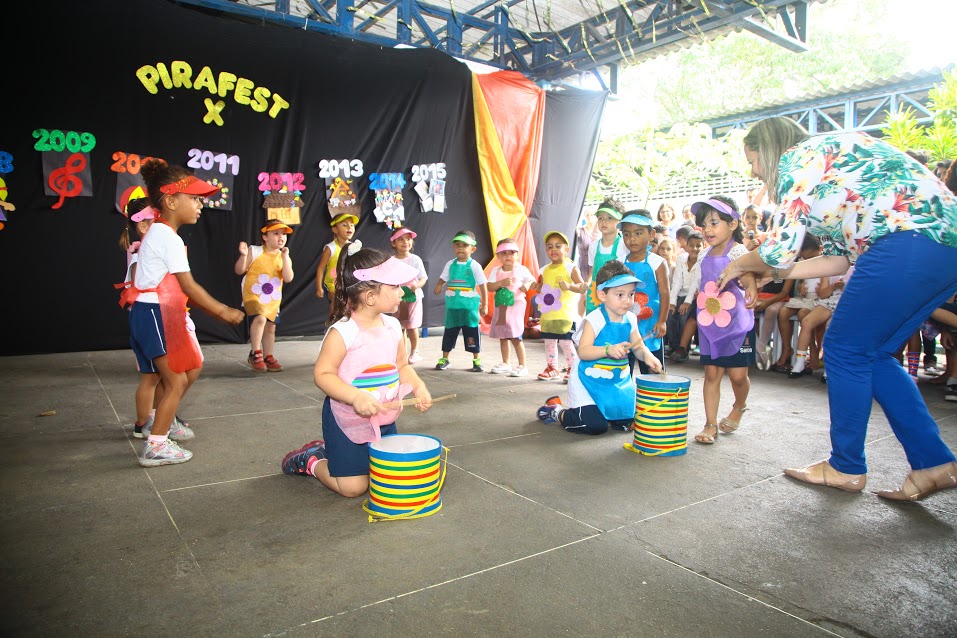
x,y
415,357
519,371
165,453
933,370
178,431
502,368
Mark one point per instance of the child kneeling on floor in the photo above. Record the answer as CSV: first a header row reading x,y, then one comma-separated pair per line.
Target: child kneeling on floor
x,y
601,391
363,369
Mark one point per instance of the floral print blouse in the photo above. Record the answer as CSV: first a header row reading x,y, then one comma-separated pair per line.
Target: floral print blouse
x,y
851,189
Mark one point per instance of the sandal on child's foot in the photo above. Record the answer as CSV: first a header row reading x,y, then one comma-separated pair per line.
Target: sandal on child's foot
x,y
706,435
727,425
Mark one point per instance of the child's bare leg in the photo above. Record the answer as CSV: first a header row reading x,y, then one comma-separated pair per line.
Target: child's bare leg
x,y
503,345
519,350
348,486
741,387
145,396
691,326
712,397
413,339
809,324
256,328
268,338
175,384
787,332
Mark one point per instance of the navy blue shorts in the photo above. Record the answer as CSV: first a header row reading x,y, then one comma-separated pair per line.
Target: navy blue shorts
x,y
743,358
345,457
146,335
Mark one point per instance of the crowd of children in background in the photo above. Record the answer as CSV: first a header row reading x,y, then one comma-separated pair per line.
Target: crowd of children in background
x,y
651,289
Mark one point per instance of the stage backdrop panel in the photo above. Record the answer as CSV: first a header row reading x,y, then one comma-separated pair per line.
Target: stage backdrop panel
x,y
255,107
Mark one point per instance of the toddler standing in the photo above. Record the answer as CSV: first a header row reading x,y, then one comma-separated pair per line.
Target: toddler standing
x,y
264,269
161,332
509,282
559,285
343,228
637,230
465,300
725,320
410,308
608,247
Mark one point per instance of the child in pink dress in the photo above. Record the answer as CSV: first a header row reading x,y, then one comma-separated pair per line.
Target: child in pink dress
x,y
509,283
410,308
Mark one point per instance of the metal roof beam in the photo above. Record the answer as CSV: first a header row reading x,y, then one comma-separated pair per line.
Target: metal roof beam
x,y
794,18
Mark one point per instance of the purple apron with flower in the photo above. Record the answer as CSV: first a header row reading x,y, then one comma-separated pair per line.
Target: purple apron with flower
x,y
723,319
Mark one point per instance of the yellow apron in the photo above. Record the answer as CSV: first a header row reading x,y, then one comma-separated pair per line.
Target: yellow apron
x,y
262,287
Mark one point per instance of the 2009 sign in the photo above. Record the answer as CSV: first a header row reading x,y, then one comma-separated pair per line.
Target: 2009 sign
x,y
57,140
340,168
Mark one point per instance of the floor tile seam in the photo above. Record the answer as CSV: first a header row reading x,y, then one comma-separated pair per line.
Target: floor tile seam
x,y
512,492
426,588
261,412
741,593
103,389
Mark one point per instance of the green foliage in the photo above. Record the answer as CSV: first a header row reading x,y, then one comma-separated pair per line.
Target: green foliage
x,y
651,160
902,130
939,140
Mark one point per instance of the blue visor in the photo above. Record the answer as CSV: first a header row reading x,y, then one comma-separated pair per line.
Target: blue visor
x,y
621,280
640,220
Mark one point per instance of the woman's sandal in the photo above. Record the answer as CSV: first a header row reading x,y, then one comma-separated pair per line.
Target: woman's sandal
x,y
704,437
726,425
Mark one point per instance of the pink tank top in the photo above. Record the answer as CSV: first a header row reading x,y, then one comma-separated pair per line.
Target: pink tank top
x,y
369,365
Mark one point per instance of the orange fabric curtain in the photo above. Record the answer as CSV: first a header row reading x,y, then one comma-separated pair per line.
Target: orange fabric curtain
x,y
509,116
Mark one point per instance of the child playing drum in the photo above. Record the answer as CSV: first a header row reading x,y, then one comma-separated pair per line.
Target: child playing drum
x,y
601,393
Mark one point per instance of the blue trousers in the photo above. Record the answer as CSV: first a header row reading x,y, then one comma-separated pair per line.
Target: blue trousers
x,y
896,284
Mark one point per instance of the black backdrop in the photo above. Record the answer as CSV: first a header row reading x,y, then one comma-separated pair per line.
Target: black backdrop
x,y
390,108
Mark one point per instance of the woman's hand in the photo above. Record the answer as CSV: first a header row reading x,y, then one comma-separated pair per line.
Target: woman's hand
x,y
730,272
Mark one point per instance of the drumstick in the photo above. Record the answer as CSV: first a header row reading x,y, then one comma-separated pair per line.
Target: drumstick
x,y
407,402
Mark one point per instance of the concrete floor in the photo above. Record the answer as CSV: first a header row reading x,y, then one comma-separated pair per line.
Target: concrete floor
x,y
542,532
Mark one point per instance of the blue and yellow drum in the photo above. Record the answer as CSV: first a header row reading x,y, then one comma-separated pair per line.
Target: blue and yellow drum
x,y
661,415
406,472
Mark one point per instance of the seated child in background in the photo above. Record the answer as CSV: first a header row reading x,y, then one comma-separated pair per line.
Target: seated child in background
x,y
684,285
601,392
828,293
264,269
509,282
799,304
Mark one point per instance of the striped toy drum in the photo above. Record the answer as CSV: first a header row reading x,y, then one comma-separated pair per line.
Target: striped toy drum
x,y
661,415
406,472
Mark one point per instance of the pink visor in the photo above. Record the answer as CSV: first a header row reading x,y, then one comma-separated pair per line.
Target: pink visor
x,y
147,213
506,247
402,231
391,272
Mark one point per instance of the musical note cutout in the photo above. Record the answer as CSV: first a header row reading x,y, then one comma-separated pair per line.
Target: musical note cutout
x,y
65,175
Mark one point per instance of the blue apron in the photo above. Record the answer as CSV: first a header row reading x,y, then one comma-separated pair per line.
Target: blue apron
x,y
608,380
649,287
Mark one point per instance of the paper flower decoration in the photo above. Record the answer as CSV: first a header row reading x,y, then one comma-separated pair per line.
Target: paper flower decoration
x,y
643,310
549,299
268,288
504,297
714,307
408,295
